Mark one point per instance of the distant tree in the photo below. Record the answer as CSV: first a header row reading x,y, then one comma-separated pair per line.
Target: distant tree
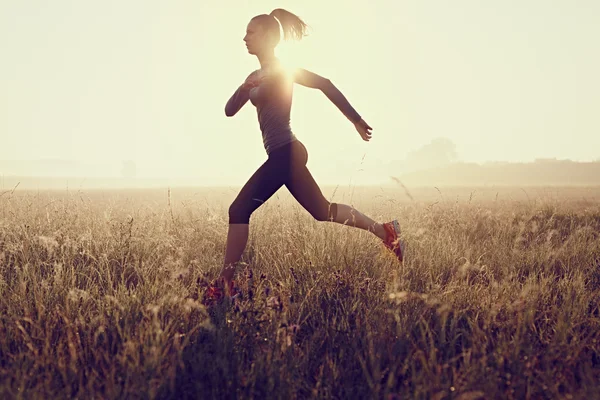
x,y
439,152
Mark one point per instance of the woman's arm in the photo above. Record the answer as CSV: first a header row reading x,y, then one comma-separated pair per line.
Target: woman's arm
x,y
312,80
237,101
239,97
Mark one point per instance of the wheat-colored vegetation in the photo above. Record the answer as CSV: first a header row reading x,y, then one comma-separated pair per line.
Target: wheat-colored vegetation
x,y
100,297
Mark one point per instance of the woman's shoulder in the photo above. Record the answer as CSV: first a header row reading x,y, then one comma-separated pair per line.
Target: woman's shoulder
x,y
254,73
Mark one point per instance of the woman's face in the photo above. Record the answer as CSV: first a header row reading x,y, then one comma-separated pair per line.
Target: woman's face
x,y
255,37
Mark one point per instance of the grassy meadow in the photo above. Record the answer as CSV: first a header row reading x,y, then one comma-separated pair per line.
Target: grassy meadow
x,y
498,297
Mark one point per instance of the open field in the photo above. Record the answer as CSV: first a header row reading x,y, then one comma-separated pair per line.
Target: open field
x,y
498,296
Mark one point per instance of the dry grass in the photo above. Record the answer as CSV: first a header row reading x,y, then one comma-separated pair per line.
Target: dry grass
x,y
498,298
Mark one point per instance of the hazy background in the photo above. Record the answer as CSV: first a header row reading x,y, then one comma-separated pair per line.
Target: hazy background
x,y
137,88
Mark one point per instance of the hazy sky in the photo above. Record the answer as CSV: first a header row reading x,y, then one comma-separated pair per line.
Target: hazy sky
x,y
106,81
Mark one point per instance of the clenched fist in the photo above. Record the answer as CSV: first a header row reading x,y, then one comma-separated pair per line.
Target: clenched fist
x,y
363,129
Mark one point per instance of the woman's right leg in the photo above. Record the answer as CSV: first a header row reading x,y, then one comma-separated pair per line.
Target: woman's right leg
x,y
259,188
237,237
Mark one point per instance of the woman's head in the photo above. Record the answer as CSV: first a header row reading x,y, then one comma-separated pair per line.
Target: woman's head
x,y
262,33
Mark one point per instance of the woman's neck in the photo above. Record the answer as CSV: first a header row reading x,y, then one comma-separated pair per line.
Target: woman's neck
x,y
267,60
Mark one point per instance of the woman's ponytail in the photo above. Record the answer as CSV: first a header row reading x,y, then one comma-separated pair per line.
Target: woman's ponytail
x,y
293,27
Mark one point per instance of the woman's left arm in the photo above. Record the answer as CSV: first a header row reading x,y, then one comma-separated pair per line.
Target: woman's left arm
x,y
312,80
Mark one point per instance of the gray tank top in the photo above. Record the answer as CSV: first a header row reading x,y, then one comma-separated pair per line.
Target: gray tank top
x,y
273,101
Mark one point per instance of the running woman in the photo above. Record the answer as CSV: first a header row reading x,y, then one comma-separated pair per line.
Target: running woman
x,y
270,89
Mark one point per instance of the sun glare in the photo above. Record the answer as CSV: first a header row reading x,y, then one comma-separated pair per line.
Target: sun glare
x,y
291,56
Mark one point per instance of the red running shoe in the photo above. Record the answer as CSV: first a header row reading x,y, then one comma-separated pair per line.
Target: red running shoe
x,y
392,240
216,292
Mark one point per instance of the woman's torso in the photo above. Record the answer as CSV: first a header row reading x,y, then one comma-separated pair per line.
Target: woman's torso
x,y
273,101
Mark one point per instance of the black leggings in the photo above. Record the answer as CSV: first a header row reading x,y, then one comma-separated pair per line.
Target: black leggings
x,y
285,166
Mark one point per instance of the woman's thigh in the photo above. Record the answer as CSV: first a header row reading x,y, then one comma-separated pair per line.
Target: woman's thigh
x,y
305,190
265,181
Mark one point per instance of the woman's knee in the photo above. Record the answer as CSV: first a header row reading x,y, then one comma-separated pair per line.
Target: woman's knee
x,y
239,214
327,212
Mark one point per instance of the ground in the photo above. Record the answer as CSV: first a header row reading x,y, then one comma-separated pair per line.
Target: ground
x,y
100,296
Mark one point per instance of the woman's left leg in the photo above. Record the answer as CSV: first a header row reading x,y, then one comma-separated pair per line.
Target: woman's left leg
x,y
305,190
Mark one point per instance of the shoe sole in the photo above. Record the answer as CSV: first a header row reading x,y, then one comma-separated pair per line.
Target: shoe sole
x,y
401,245
396,226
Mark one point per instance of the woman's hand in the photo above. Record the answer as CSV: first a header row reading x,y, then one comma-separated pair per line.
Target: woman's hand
x,y
252,82
363,129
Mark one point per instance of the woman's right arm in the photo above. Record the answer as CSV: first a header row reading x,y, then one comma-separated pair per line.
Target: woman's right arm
x,y
239,98
312,80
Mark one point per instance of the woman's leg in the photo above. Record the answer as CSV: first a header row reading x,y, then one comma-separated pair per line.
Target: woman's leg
x,y
350,216
303,187
259,188
237,237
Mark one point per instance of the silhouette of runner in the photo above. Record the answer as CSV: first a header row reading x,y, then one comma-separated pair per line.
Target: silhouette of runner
x,y
270,90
